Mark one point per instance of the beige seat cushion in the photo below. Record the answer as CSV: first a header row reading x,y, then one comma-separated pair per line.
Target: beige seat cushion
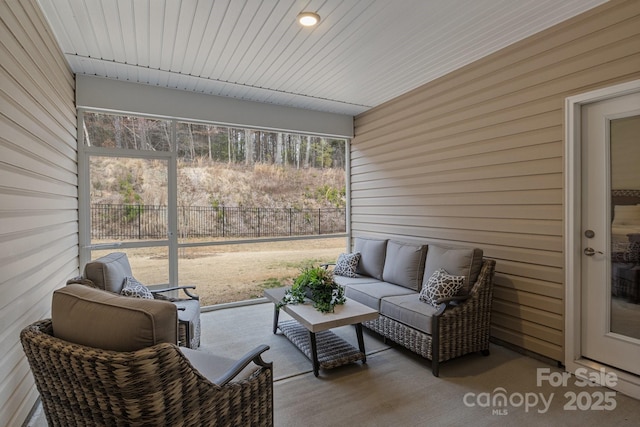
x,y
100,319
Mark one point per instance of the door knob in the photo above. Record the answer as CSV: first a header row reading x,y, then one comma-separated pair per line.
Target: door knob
x,y
591,252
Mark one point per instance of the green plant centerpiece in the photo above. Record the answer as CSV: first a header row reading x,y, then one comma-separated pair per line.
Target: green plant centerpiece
x,y
315,283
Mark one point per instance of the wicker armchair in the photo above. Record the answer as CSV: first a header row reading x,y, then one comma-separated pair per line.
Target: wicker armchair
x,y
460,325
109,272
157,385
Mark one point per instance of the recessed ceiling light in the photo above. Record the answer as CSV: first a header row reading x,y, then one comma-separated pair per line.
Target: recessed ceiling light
x,y
308,19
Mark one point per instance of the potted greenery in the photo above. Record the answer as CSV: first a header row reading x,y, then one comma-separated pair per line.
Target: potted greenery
x,y
316,284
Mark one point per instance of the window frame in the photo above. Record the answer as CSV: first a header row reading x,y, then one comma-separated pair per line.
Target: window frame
x,y
85,152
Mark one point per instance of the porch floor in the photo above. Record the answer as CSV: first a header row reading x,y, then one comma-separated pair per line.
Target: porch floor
x,y
396,387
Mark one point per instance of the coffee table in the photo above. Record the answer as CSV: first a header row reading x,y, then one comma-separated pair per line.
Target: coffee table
x,y
310,331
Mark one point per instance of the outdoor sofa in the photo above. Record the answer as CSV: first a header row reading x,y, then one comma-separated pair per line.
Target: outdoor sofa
x,y
421,308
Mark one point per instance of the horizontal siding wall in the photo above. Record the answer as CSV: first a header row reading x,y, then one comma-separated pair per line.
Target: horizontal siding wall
x,y
38,190
475,158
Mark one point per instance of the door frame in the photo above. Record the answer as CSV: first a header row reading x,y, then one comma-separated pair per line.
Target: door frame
x,y
574,361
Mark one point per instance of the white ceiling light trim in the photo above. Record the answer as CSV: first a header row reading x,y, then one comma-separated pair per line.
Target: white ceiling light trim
x,y
308,19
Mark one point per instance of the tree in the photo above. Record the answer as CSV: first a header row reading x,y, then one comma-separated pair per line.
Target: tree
x,y
249,144
308,152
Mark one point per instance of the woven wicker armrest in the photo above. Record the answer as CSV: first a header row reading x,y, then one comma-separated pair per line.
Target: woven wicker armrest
x,y
254,356
457,298
470,309
175,288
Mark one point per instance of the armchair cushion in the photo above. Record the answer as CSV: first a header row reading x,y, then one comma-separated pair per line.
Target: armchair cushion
x,y
100,319
108,272
212,366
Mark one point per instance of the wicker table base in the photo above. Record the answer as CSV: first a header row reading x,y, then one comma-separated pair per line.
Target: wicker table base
x,y
332,351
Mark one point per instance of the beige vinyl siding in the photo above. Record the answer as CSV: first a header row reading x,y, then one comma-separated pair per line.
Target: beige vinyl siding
x,y
38,190
475,158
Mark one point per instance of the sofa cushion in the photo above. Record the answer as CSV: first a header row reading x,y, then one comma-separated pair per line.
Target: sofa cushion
x,y
135,289
409,310
347,264
440,285
372,255
465,262
349,281
101,319
370,294
404,264
108,272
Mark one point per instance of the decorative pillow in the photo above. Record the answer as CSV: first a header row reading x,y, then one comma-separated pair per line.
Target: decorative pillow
x,y
135,289
440,285
465,262
347,264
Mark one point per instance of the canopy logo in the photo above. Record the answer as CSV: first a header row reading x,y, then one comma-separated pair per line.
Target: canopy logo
x,y
500,401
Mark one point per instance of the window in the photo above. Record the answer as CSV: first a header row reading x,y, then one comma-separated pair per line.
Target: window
x,y
171,193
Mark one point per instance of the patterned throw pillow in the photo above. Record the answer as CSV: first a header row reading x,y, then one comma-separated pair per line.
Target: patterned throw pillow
x,y
347,264
135,289
440,285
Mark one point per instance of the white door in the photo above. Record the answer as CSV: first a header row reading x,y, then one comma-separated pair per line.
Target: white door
x,y
611,232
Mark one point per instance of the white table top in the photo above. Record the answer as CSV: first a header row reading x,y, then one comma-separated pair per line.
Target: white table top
x,y
351,312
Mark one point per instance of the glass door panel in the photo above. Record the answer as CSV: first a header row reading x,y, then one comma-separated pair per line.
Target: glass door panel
x,y
625,226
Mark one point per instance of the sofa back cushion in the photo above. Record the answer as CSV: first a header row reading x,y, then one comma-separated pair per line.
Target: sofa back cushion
x,y
372,255
100,319
404,264
108,272
465,262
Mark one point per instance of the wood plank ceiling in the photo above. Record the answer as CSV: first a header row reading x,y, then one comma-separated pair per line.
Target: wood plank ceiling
x,y
363,52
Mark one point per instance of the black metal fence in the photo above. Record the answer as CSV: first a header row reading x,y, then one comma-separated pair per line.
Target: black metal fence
x,y
109,221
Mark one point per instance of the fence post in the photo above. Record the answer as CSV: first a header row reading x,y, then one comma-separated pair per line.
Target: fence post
x,y
319,232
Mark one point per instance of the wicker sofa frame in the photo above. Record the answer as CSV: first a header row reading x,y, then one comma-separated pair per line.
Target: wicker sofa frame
x,y
460,325
82,386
